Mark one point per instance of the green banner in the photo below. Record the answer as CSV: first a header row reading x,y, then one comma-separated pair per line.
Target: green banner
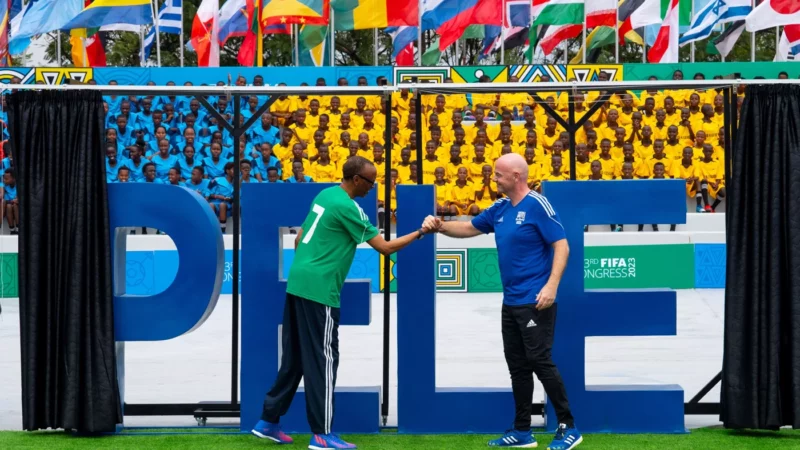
x,y
483,271
9,275
639,267
620,267
748,70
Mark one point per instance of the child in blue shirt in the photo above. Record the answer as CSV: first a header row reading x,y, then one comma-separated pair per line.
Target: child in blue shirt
x,y
266,161
10,199
272,176
163,160
245,168
187,162
215,165
221,198
298,176
113,163
174,177
198,182
136,164
123,174
149,171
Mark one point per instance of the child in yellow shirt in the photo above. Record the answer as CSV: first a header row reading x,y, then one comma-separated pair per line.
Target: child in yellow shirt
x,y
462,194
485,190
688,171
712,173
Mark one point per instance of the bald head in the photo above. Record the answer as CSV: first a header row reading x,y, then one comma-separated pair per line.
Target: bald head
x,y
513,163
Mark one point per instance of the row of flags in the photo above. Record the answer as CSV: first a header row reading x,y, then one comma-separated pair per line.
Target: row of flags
x,y
501,23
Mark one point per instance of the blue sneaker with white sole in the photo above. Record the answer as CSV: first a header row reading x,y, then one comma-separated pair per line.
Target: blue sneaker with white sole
x,y
515,439
271,431
328,442
566,438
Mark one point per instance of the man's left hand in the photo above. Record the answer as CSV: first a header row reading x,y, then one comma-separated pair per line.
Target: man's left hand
x,y
546,297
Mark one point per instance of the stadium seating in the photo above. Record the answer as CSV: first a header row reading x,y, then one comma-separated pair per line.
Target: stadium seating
x,y
173,140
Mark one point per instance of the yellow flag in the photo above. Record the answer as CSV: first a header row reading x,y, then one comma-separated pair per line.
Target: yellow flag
x,y
76,38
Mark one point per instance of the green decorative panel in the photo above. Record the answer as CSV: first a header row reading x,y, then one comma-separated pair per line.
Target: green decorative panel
x,y
484,272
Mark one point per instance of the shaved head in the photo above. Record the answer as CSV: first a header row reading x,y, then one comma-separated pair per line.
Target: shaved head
x,y
511,176
513,163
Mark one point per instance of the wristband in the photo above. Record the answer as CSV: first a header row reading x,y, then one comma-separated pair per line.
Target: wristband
x,y
421,234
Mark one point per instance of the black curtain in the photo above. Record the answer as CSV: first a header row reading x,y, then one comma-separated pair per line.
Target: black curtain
x,y
69,377
761,363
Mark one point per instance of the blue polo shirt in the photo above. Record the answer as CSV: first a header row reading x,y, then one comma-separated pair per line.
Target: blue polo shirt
x,y
523,234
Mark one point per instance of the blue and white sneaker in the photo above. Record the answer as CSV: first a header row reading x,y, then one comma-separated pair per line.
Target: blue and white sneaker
x,y
271,431
515,439
566,438
328,442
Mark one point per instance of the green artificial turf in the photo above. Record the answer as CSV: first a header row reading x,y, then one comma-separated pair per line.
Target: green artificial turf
x,y
215,438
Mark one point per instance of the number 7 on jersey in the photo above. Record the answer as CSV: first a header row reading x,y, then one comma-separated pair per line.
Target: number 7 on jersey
x,y
319,211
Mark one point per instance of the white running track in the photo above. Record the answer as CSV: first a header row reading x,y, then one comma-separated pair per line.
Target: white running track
x,y
196,367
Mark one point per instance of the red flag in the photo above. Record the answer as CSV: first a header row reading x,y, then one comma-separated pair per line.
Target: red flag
x,y
406,56
95,52
247,52
665,49
205,34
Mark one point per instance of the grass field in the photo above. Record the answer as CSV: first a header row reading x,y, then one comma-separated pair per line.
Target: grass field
x,y
210,438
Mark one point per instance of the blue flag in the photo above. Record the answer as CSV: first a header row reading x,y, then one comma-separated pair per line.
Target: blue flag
x,y
41,16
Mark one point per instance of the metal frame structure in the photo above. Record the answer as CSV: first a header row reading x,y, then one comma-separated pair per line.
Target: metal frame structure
x,y
203,410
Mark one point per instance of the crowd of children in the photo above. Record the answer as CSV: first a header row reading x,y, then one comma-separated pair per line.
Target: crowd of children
x,y
648,134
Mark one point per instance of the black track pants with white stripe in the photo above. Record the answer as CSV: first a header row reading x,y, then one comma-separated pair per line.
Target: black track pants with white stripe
x,y
310,351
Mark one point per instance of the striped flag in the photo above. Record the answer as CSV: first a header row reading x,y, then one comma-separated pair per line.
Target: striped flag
x,y
635,14
665,49
600,12
724,42
169,21
402,40
552,35
789,45
714,13
558,12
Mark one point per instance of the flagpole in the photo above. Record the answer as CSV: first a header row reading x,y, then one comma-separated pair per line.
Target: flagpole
x,y
182,43
296,31
141,45
374,46
259,37
616,34
531,49
753,39
58,47
691,50
154,6
777,38
583,55
502,36
644,51
333,38
419,34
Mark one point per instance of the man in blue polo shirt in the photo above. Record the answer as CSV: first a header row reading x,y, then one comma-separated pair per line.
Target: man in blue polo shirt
x,y
532,252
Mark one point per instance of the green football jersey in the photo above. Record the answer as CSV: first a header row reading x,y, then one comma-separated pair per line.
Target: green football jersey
x,y
331,232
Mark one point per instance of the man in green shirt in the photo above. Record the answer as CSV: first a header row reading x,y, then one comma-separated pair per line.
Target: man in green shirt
x,y
324,250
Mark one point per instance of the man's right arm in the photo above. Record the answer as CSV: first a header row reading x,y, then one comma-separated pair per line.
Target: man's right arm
x,y
459,229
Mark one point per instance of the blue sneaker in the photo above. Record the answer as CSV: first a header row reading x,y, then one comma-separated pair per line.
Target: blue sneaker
x,y
328,442
565,439
271,431
516,439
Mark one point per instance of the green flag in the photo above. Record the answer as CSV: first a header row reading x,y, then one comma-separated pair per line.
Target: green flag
x,y
531,44
432,55
684,11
